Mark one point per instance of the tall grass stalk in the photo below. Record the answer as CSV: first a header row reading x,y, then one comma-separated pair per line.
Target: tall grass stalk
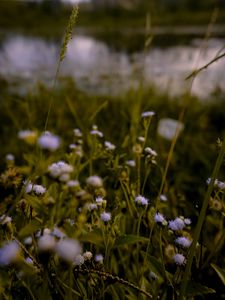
x,y
201,220
67,38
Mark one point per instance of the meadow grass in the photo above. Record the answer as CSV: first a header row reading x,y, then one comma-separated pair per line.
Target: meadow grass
x,y
98,202
114,213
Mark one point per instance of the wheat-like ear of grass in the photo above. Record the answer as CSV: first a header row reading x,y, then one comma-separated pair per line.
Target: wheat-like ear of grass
x,y
63,49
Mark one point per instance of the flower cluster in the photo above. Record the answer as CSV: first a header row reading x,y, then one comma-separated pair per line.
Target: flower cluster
x,y
60,170
49,141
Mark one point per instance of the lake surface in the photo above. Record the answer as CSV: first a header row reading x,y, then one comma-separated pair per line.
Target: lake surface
x,y
102,69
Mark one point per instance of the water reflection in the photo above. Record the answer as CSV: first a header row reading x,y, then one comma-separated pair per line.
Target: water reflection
x,y
99,69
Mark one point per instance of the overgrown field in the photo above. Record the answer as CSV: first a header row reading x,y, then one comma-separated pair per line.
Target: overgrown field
x,y
88,209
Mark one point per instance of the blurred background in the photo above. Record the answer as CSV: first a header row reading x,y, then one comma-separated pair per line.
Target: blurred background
x,y
117,44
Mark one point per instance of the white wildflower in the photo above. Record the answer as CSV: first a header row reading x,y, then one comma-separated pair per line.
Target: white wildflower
x,y
72,146
4,219
152,275
149,150
106,216
91,206
163,197
87,255
77,132
9,253
68,249
179,259
39,189
141,139
10,157
221,185
187,221
177,224
141,200
28,240
147,114
28,187
95,131
49,141
169,128
59,168
58,233
183,241
79,260
99,258
29,261
73,183
131,163
159,218
46,243
109,146
94,181
28,136
99,200
64,177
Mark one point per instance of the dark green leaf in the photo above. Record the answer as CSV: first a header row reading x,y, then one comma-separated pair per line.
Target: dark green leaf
x,y
128,239
30,228
194,289
220,272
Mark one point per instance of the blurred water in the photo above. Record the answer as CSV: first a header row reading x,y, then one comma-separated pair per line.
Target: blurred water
x,y
97,68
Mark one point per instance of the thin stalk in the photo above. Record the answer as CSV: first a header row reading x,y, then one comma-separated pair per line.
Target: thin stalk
x,y
201,220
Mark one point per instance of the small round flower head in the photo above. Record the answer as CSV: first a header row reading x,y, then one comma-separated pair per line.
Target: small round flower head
x,y
96,132
94,181
159,218
151,152
177,224
91,206
221,185
141,200
29,261
58,233
141,139
49,141
28,136
147,114
87,255
163,197
152,275
99,258
169,128
9,253
28,240
46,243
187,221
64,177
72,146
68,249
73,183
105,216
59,168
77,132
39,189
99,200
109,146
179,259
183,242
131,163
4,219
28,187
79,260
10,157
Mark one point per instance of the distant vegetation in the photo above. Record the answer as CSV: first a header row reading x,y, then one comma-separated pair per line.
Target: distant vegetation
x,y
49,17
